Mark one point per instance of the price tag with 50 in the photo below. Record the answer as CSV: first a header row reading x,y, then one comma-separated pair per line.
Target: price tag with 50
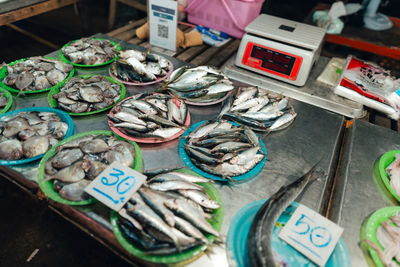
x,y
115,185
311,234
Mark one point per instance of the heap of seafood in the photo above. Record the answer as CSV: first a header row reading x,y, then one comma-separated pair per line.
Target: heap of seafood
x,y
79,161
169,214
36,73
259,247
3,100
87,94
258,109
393,170
222,149
89,51
29,134
150,116
202,84
137,66
388,237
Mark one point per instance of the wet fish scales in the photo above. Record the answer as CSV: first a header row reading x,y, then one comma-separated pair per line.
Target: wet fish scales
x,y
184,209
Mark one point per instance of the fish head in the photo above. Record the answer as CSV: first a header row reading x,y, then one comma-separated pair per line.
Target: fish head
x,y
86,164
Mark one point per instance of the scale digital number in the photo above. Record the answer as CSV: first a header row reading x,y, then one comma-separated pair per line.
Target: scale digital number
x,y
272,60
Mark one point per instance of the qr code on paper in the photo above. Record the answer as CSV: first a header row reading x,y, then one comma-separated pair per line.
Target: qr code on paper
x,y
162,31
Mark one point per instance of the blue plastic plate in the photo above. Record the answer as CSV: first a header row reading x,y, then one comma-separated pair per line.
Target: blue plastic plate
x,y
64,117
186,159
237,240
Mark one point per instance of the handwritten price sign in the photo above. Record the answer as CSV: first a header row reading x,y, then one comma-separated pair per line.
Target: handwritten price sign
x,y
115,185
311,234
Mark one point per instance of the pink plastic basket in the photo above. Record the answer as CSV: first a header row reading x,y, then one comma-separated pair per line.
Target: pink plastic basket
x,y
230,16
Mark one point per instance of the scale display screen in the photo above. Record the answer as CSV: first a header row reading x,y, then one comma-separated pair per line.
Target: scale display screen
x,y
273,60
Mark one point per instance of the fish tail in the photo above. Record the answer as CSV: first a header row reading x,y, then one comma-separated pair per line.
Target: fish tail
x,y
230,179
21,93
259,151
163,86
219,240
375,247
315,173
183,127
48,178
209,251
117,44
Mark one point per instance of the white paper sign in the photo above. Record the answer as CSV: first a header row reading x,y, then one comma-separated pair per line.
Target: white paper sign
x,y
311,234
115,185
163,23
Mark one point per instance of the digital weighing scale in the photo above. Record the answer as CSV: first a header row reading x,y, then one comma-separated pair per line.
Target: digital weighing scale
x,y
279,54
280,48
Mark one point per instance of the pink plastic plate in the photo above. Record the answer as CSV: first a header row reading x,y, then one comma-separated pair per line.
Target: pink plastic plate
x,y
159,79
149,140
209,103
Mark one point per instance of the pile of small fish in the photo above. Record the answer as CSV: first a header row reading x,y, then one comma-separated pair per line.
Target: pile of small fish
x,y
150,116
201,84
3,100
89,51
87,94
36,73
388,237
169,214
29,134
259,239
79,161
258,109
137,66
393,170
222,149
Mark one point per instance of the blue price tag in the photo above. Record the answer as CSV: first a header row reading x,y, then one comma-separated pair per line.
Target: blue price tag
x,y
311,234
115,185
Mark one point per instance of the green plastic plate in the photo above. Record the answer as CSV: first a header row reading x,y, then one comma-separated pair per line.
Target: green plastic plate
x,y
89,66
8,95
183,257
3,74
47,186
373,223
53,103
384,162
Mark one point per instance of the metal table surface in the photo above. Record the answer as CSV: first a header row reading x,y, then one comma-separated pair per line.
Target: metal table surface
x,y
359,193
291,152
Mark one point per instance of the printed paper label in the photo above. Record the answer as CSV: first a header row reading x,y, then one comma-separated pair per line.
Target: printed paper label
x,y
311,234
115,185
163,23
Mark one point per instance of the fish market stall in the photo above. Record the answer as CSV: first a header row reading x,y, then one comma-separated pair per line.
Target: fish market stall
x,y
360,190
313,136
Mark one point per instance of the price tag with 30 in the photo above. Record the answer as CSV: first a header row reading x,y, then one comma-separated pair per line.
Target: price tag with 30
x,y
311,234
115,185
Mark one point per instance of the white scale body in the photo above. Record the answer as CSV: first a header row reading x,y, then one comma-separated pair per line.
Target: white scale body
x,y
279,48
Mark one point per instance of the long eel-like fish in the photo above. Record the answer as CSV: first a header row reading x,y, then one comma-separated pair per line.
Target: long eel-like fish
x,y
259,238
